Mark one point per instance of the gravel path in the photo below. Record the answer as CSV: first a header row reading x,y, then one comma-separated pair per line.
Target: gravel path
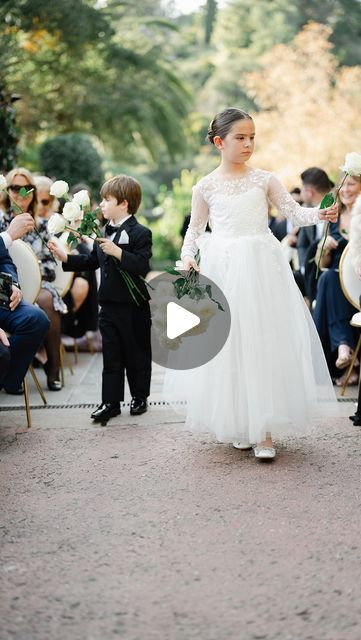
x,y
143,531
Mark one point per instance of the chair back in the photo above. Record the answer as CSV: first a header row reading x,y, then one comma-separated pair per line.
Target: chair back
x,y
290,253
28,268
350,282
63,279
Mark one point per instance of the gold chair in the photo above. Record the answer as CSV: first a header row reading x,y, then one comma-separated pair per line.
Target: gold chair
x,y
30,282
351,288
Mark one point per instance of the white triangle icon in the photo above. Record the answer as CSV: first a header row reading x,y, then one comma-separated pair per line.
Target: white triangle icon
x,y
179,320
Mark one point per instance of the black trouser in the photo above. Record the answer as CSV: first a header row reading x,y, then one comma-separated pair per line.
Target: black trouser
x,y
125,330
4,360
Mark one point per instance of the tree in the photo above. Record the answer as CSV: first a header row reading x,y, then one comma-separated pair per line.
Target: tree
x,y
102,73
72,157
308,114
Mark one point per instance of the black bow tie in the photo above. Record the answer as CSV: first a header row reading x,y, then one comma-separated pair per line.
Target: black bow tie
x,y
109,229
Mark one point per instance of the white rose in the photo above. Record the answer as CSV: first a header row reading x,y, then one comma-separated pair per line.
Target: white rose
x,y
82,198
56,224
352,164
3,183
59,188
71,211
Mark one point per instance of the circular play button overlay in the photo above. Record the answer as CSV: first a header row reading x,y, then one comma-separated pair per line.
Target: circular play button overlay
x,y
190,319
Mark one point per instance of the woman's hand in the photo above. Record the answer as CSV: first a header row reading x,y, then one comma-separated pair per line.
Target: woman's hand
x,y
4,338
110,248
57,251
330,214
15,298
330,244
189,263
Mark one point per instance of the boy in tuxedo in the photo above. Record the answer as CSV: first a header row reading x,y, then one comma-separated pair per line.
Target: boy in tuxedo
x,y
124,324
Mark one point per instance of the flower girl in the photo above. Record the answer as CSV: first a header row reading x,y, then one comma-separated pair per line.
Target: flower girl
x,y
270,378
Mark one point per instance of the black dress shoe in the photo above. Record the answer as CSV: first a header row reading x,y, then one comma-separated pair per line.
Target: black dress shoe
x,y
54,385
16,392
138,406
105,411
356,420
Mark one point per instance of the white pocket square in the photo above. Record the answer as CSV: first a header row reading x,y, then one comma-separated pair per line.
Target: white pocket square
x,y
123,238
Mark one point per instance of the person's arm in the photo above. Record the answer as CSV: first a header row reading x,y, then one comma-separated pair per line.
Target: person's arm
x,y
355,236
84,262
197,226
288,207
6,263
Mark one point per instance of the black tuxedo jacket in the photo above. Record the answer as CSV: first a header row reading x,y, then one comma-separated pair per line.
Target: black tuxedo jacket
x,y
135,260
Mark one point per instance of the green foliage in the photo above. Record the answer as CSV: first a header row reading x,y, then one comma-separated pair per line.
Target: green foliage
x,y
174,204
72,157
8,132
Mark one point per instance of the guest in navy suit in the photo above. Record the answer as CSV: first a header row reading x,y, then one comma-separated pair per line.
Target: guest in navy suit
x,y
26,324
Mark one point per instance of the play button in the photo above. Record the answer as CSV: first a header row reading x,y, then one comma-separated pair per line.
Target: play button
x,y
179,320
190,320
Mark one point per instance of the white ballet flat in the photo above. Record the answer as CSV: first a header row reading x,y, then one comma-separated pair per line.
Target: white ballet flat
x,y
264,453
242,444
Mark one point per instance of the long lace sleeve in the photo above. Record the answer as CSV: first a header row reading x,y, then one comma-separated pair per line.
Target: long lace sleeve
x,y
197,224
288,207
355,235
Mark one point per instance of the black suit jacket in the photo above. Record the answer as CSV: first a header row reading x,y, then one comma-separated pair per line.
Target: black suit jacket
x,y
6,263
135,260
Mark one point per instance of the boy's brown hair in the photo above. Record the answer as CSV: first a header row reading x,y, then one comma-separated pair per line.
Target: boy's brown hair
x,y
123,187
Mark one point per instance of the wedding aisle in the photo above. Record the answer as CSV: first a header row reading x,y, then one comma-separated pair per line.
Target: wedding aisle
x,y
143,531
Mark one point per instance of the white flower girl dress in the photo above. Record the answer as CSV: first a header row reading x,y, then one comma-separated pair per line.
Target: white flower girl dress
x,y
271,374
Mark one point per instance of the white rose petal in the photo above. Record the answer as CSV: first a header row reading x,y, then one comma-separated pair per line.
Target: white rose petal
x,y
82,198
72,211
59,188
3,183
352,164
56,224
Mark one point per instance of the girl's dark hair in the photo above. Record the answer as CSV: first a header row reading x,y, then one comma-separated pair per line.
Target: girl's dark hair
x,y
223,121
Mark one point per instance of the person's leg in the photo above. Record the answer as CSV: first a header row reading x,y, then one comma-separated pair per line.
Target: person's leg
x,y
4,361
113,362
27,326
53,336
79,291
137,350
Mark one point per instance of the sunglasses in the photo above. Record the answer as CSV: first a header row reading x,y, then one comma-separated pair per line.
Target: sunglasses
x,y
45,202
16,188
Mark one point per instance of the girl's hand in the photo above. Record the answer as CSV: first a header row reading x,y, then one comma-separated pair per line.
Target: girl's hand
x,y
110,248
190,263
57,251
330,214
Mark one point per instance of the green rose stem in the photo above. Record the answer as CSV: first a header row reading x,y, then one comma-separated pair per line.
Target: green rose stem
x,y
326,202
17,210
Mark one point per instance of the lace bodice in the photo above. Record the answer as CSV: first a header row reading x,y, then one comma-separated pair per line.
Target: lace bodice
x,y
239,206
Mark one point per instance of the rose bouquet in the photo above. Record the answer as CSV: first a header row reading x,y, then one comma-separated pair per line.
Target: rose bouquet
x,y
193,296
78,218
351,167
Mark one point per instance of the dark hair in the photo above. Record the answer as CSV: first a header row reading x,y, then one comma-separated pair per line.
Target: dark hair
x,y
318,178
223,121
296,190
123,187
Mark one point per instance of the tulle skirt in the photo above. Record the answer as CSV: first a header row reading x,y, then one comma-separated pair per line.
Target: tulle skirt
x,y
271,375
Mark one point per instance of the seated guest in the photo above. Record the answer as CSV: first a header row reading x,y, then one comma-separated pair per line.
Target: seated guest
x,y
355,248
82,298
46,203
333,312
4,354
48,299
315,185
26,323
